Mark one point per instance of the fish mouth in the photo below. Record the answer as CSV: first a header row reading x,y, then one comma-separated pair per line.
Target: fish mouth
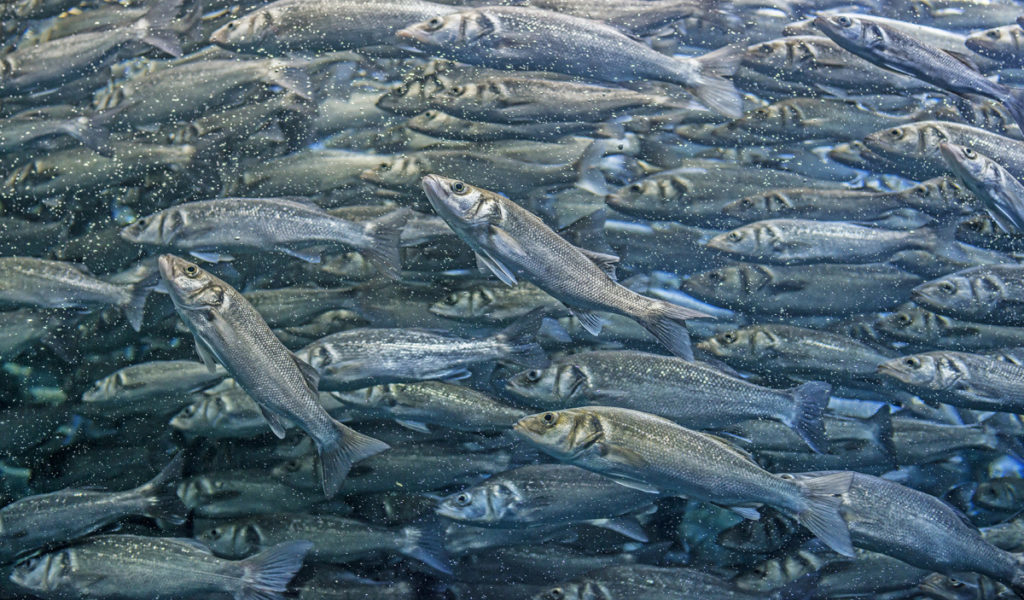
x,y
887,369
433,186
166,265
412,34
718,243
220,36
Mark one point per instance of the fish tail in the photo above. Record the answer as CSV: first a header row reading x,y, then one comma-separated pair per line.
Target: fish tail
x,y
823,497
266,575
1014,104
667,322
520,338
91,133
810,400
424,542
134,308
160,499
339,454
292,76
881,424
158,31
1016,583
712,88
386,233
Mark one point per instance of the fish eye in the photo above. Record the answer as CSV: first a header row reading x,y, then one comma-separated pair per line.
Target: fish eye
x,y
292,466
232,25
462,499
556,593
896,133
947,287
729,337
460,188
714,276
549,418
903,319
429,114
452,299
844,21
458,90
215,532
735,236
191,270
994,34
435,24
533,375
971,154
761,113
766,49
912,362
636,187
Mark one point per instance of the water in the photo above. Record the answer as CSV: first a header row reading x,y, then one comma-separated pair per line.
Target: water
x,y
768,200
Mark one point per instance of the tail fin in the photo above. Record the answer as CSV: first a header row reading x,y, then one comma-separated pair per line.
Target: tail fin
x,y
386,232
881,423
716,92
1014,104
424,542
339,454
520,337
135,308
291,76
266,575
161,499
91,132
667,322
823,497
156,29
1017,583
810,400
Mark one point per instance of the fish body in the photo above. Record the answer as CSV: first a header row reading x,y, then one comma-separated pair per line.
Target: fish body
x,y
514,243
229,331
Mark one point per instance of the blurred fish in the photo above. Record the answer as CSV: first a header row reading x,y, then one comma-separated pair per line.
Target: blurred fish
x,y
152,566
1001,193
507,37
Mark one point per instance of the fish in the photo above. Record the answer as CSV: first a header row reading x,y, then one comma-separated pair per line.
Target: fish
x,y
369,356
506,37
655,454
960,379
422,404
230,332
895,50
47,520
653,384
149,387
154,566
985,294
1002,194
333,539
878,519
45,283
512,243
212,229
548,494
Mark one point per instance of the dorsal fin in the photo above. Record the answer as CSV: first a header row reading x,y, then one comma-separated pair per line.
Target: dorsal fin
x,y
588,232
606,262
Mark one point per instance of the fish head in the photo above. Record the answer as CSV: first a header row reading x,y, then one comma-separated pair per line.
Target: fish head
x,y
771,53
191,287
487,502
463,205
906,321
564,434
991,40
952,291
998,494
245,31
737,343
564,383
399,172
207,411
742,240
651,195
453,29
464,304
572,590
187,418
318,355
917,370
46,573
430,121
377,396
232,539
297,472
160,229
851,29
968,164
105,389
